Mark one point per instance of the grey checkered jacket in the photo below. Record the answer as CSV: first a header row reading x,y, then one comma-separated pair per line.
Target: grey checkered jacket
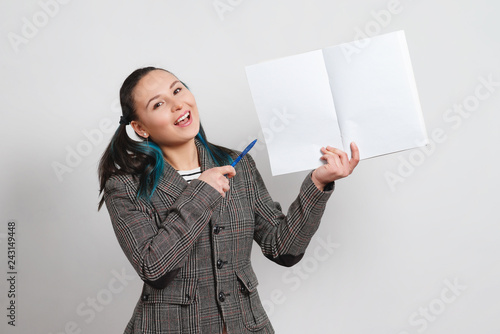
x,y
191,247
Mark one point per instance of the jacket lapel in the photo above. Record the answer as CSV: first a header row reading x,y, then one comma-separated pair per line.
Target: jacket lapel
x,y
172,183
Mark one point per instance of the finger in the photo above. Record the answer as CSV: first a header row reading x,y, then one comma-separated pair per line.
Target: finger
x,y
228,171
225,187
332,159
341,154
334,150
354,156
326,152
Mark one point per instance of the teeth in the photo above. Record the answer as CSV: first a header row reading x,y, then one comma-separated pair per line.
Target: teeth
x,y
182,118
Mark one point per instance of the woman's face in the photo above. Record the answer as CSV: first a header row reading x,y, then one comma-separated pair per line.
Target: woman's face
x,y
166,110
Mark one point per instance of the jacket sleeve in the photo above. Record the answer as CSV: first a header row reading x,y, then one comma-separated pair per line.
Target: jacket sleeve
x,y
158,249
284,238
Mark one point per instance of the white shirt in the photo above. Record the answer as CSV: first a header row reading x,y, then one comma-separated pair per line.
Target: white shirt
x,y
189,175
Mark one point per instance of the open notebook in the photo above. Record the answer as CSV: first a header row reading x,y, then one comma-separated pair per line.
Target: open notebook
x,y
337,95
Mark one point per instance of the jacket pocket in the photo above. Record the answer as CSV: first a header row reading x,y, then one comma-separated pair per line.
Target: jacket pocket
x,y
173,309
253,313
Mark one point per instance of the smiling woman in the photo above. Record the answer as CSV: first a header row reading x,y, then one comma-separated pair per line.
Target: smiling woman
x,y
144,97
166,113
188,238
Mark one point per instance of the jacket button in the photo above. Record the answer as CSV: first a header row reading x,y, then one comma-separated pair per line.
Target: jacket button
x,y
145,297
220,264
243,289
222,297
217,229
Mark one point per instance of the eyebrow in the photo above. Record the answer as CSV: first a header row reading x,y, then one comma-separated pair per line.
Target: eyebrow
x,y
173,83
153,98
157,96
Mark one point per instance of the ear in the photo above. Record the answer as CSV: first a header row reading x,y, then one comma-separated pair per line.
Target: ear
x,y
139,129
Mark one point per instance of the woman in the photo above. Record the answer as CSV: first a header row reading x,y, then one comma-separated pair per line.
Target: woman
x,y
189,237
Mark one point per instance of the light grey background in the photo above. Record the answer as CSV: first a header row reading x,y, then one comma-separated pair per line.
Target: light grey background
x,y
384,256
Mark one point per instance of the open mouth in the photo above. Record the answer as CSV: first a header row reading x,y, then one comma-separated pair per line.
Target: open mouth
x,y
184,119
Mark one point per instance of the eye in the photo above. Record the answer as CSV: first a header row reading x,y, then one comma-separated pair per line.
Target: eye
x,y
157,105
177,90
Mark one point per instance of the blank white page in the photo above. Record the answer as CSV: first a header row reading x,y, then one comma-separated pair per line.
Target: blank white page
x,y
295,108
375,95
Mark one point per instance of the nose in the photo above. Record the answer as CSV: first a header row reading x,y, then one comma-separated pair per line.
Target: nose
x,y
177,105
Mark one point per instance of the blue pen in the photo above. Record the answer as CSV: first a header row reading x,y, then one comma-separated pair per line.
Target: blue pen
x,y
245,151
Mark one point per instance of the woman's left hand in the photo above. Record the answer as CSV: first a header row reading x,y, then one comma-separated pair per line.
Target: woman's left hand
x,y
337,165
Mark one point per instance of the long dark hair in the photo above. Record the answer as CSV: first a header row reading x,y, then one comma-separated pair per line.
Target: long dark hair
x,y
125,156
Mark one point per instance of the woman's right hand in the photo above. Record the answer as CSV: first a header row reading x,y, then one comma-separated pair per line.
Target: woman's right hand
x,y
218,178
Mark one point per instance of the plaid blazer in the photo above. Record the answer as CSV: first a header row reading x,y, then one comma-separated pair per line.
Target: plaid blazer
x,y
192,247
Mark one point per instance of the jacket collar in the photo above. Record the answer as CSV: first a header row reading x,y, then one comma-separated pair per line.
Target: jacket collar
x,y
172,183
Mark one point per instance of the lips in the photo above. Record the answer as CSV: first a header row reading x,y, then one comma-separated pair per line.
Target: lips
x,y
183,119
